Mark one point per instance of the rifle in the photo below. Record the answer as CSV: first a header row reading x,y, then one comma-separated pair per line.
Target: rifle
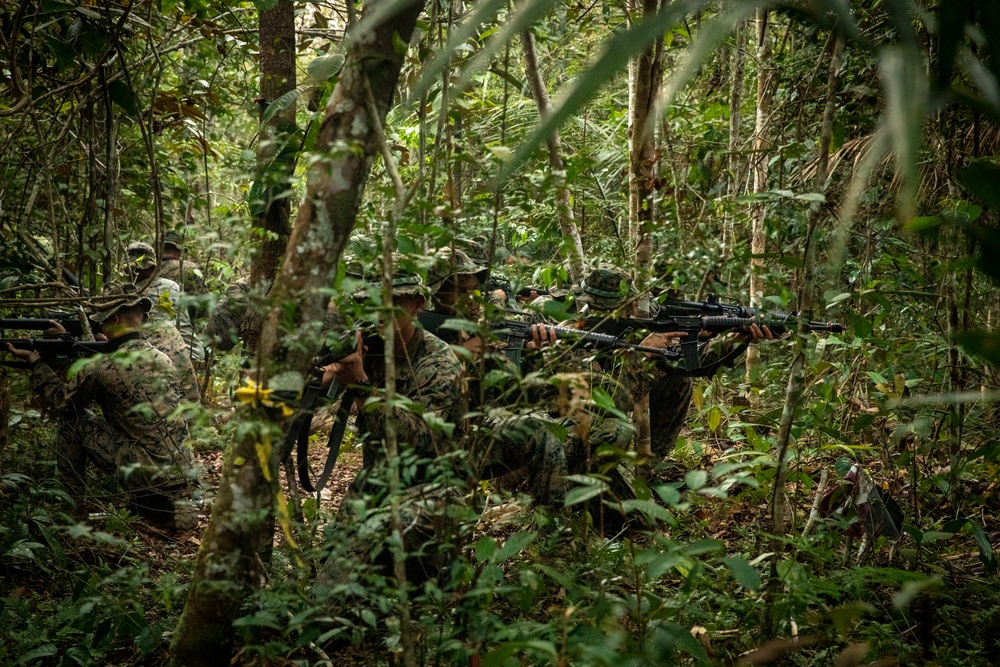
x,y
495,282
313,394
516,333
69,321
56,351
707,319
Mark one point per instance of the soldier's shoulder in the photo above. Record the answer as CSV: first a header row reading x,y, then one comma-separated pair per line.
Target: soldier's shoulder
x,y
437,352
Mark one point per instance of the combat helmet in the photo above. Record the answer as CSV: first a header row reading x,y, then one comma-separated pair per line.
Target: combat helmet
x,y
453,262
127,294
606,288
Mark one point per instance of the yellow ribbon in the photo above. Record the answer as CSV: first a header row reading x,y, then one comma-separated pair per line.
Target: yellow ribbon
x,y
251,394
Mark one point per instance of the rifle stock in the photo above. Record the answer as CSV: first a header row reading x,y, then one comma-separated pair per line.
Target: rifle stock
x,y
57,350
68,321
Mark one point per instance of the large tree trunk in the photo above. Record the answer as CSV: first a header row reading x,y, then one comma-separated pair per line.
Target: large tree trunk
x,y
761,146
227,566
572,243
276,151
646,76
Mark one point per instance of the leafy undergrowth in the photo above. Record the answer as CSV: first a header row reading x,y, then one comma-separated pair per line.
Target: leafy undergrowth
x,y
692,577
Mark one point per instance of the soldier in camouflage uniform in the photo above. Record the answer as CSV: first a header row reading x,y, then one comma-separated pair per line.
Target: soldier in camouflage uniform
x,y
165,295
575,375
181,271
136,439
427,374
160,329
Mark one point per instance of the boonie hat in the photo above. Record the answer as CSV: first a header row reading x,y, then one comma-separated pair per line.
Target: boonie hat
x,y
173,237
141,255
129,296
453,262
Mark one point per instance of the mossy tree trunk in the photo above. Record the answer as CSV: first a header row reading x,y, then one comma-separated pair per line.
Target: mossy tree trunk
x,y
227,569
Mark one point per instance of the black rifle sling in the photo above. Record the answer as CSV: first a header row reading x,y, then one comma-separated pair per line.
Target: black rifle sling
x,y
336,438
302,434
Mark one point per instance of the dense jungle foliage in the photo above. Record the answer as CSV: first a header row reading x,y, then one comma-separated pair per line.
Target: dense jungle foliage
x,y
834,158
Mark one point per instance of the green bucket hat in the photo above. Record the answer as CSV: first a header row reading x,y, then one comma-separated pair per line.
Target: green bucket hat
x,y
175,238
129,295
141,255
405,281
606,288
453,262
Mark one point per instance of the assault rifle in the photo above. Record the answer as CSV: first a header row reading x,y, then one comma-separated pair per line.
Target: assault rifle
x,y
69,321
516,333
707,319
314,394
56,350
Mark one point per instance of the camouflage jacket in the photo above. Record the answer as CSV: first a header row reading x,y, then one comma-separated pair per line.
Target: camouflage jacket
x,y
165,337
186,274
166,297
136,389
427,374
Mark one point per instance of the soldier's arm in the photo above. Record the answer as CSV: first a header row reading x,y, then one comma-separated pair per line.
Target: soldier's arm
x,y
63,396
437,380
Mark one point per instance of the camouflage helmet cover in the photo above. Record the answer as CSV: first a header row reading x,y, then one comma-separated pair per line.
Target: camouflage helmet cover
x,y
141,255
453,262
406,280
127,294
606,288
175,238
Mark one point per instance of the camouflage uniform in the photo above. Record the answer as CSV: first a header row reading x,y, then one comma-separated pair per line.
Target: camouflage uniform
x,y
165,337
574,375
136,439
427,374
166,297
224,324
184,272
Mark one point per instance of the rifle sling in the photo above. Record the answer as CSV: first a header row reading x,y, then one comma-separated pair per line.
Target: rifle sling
x,y
336,438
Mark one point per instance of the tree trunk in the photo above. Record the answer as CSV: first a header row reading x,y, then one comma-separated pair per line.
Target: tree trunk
x,y
572,243
276,152
761,146
227,567
735,121
646,76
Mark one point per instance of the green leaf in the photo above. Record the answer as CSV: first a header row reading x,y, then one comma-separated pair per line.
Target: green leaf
x,y
704,547
324,68
911,589
905,83
603,400
669,495
980,178
485,547
618,51
122,95
981,344
743,572
485,12
695,479
44,651
986,553
514,545
280,104
584,493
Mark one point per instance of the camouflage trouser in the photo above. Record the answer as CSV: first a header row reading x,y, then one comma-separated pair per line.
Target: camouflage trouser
x,y
668,407
548,449
158,492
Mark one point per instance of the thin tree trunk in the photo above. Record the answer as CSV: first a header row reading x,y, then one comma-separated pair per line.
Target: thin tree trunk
x,y
735,122
572,243
761,148
276,152
646,75
227,568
